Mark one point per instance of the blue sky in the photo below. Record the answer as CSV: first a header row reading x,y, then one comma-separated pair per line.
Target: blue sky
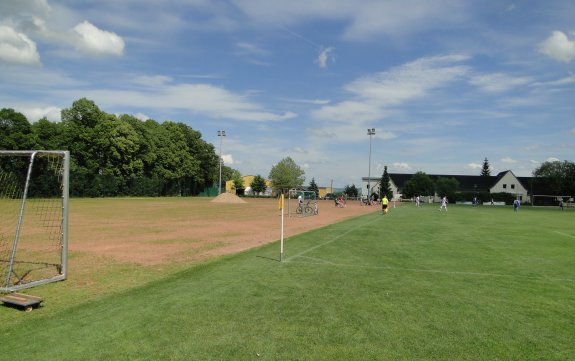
x,y
444,83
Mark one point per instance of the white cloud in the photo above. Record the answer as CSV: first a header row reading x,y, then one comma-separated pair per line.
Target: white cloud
x,y
496,83
251,49
372,94
401,17
53,114
228,159
568,80
16,47
508,160
325,54
365,18
308,101
552,159
474,166
93,40
151,80
559,47
401,166
143,117
207,99
252,53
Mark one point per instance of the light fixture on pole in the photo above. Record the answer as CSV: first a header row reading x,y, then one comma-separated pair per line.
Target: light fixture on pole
x,y
370,132
221,134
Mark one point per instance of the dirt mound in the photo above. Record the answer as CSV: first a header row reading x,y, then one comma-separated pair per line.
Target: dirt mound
x,y
228,198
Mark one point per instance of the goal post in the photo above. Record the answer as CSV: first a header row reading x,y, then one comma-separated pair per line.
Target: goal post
x,y
308,199
551,200
34,197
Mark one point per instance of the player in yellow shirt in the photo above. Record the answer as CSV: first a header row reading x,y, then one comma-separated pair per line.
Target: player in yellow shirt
x,y
384,203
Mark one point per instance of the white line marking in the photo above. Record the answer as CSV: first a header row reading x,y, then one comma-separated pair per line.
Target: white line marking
x,y
331,240
323,262
565,234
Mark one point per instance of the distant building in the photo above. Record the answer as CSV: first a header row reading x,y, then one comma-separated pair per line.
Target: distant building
x,y
247,190
505,182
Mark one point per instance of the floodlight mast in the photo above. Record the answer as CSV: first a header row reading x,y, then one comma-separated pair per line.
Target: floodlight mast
x,y
221,134
370,132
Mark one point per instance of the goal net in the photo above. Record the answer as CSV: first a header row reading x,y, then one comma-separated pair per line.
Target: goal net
x,y
302,203
33,218
551,200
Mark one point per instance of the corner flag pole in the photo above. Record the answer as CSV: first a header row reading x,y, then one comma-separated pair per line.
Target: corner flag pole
x,y
281,206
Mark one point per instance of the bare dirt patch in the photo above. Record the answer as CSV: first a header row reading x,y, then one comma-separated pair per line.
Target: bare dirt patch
x,y
155,232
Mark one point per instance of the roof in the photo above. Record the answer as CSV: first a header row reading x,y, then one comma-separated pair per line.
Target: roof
x,y
467,183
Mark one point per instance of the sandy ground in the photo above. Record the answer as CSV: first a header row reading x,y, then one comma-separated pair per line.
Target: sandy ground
x,y
159,231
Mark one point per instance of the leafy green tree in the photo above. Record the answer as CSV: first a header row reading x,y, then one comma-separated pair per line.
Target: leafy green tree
x,y
116,155
49,135
15,131
258,185
351,191
314,188
238,181
175,163
79,122
485,168
384,185
420,184
286,174
555,178
446,187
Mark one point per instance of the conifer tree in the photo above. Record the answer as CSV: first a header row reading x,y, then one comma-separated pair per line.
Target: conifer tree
x,y
485,169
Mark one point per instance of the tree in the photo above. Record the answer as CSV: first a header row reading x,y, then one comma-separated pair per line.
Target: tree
x,y
286,174
314,188
238,181
15,131
351,191
258,185
446,187
48,135
384,185
485,169
555,178
420,184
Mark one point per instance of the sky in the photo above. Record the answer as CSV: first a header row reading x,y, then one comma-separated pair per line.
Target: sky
x,y
444,83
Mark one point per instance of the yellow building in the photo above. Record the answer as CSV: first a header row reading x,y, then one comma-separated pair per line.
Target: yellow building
x,y
248,179
323,191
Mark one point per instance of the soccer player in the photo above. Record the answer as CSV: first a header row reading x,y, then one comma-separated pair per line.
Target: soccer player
x,y
384,203
443,203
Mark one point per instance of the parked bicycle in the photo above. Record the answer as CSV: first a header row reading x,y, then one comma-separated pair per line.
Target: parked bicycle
x,y
307,208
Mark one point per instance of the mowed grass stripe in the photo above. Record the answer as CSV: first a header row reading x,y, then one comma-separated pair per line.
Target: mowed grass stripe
x,y
378,308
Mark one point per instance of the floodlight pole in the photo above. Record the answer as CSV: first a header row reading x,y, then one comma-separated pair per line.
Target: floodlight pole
x,y
370,132
221,134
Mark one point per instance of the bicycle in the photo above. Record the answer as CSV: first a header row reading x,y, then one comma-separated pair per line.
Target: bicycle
x,y
307,209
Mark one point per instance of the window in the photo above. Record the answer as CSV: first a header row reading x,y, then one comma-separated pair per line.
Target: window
x,y
505,186
513,186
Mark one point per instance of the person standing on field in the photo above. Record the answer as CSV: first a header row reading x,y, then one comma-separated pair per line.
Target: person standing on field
x,y
516,205
417,201
443,204
384,203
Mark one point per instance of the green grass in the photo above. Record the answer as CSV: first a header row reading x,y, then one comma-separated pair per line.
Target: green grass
x,y
470,284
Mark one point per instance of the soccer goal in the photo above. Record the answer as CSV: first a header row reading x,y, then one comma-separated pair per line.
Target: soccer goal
x,y
551,200
33,218
304,203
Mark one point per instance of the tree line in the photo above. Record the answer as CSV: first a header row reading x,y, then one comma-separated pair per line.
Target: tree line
x,y
118,155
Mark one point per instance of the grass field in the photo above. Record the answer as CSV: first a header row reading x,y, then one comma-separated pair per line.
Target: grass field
x,y
418,284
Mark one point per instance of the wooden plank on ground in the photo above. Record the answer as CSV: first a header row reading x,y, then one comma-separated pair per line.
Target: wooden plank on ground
x,y
22,300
